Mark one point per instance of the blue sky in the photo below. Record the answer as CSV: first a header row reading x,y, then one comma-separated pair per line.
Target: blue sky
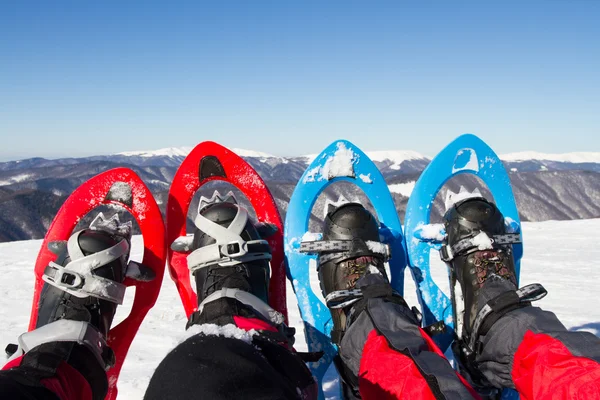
x,y
82,78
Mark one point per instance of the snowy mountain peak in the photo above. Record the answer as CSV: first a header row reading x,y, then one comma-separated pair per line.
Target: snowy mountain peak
x,y
184,151
580,157
166,152
252,153
396,157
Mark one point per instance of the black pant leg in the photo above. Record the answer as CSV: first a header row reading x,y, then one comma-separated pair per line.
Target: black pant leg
x,y
217,367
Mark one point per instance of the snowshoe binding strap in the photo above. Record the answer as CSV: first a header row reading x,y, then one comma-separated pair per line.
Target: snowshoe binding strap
x,y
230,249
339,250
497,308
247,299
77,277
64,330
481,241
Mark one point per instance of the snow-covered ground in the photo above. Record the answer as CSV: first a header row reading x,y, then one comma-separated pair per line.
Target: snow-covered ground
x,y
561,255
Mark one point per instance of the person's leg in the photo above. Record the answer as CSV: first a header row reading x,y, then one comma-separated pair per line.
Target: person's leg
x,y
383,353
66,356
232,360
504,341
239,347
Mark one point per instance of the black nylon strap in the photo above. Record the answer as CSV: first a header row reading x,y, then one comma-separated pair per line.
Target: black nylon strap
x,y
45,358
336,336
377,290
447,253
494,317
499,306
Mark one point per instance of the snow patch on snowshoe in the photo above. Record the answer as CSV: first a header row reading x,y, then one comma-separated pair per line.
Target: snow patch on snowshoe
x,y
341,163
121,192
312,237
365,178
430,232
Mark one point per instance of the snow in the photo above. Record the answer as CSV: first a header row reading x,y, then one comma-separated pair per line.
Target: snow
x,y
435,232
16,179
121,191
229,331
482,241
378,247
252,153
311,237
168,152
396,157
341,163
365,178
405,189
562,255
576,157
184,151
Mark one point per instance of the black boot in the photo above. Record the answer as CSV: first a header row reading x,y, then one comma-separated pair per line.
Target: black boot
x,y
230,263
353,234
55,303
478,251
251,276
351,272
470,226
78,302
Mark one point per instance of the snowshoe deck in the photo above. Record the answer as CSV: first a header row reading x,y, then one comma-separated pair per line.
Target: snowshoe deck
x,y
207,162
341,161
465,155
120,186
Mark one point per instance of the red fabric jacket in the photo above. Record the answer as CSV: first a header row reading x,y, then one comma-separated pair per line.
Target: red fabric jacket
x,y
543,369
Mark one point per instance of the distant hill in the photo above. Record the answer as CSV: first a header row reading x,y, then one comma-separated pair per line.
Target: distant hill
x,y
546,186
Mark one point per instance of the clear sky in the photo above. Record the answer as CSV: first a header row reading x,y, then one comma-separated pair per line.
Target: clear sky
x,y
287,78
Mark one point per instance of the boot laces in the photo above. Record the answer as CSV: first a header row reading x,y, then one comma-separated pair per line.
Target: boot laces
x,y
220,275
491,262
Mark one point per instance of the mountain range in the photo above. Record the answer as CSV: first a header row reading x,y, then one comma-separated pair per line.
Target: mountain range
x,y
546,186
